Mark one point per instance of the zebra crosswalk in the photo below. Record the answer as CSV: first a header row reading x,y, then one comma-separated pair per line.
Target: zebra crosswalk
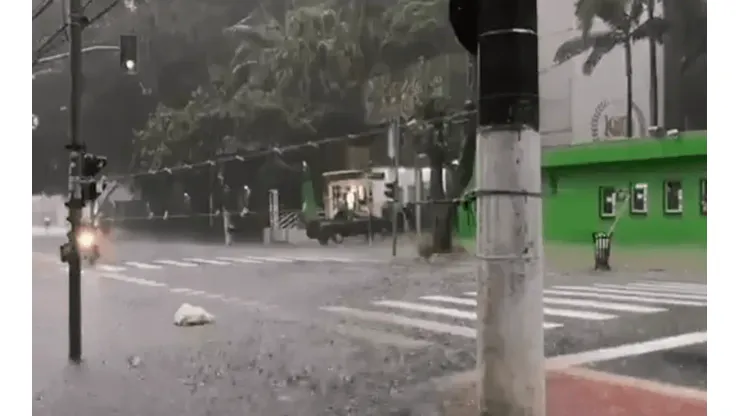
x,y
219,261
454,315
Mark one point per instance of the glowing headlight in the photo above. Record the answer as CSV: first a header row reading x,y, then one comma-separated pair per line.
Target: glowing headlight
x,y
86,239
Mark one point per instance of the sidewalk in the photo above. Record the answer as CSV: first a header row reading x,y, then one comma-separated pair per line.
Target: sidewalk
x,y
578,391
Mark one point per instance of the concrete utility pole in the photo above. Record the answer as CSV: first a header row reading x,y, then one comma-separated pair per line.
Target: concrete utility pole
x,y
510,315
394,147
418,194
75,202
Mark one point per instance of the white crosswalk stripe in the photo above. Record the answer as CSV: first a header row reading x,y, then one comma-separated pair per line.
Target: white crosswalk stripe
x,y
597,302
454,313
389,318
271,259
670,289
139,265
240,260
175,263
624,290
207,261
109,268
638,299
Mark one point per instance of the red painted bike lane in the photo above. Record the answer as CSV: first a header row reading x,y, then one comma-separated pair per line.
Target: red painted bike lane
x,y
580,391
586,392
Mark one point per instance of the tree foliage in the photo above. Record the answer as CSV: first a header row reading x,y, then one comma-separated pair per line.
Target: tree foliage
x,y
625,23
306,73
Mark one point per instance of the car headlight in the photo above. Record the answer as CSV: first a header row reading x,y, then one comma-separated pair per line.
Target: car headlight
x,y
86,239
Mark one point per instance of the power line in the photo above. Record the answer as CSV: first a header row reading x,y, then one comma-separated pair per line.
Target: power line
x,y
455,118
41,9
43,49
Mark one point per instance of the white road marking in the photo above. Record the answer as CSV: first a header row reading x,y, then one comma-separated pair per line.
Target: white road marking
x,y
565,313
214,296
622,290
388,318
677,284
146,282
143,265
337,259
622,307
239,260
134,280
629,350
637,299
175,263
271,259
381,337
653,290
207,261
180,290
609,306
194,292
454,313
673,289
109,268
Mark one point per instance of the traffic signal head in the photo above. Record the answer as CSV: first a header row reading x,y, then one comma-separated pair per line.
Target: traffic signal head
x,y
391,189
463,15
129,53
92,165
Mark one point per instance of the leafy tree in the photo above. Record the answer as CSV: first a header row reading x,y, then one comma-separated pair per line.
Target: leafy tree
x,y
314,66
450,145
625,26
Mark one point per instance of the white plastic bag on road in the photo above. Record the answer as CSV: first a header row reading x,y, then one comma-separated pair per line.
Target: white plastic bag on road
x,y
189,315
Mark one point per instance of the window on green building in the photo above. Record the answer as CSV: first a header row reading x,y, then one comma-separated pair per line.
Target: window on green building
x,y
639,199
672,197
703,196
607,202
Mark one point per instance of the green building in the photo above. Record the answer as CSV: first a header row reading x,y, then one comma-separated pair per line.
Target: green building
x,y
647,191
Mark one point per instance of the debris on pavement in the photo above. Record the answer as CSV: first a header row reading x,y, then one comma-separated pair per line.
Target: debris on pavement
x,y
190,315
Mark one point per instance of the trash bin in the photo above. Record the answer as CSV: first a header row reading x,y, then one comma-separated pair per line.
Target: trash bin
x,y
602,250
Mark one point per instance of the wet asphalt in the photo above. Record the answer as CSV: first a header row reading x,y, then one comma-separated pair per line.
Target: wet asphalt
x,y
274,349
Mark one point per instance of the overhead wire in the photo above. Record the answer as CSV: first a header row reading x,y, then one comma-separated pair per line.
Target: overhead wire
x,y
455,118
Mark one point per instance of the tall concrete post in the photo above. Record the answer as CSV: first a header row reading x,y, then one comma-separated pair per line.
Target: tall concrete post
x,y
510,316
418,192
274,206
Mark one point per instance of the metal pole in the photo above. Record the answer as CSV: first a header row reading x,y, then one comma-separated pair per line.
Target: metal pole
x,y
75,202
370,202
510,350
418,192
396,161
224,213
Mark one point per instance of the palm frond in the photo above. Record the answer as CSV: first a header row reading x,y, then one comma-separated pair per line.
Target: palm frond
x,y
601,46
580,45
655,28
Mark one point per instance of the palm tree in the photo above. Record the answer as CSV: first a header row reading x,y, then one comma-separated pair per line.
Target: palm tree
x,y
625,27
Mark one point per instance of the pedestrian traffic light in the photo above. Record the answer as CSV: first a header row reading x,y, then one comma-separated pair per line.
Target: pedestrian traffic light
x,y
391,190
463,15
129,54
92,165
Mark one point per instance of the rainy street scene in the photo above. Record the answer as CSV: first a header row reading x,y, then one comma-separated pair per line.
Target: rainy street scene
x,y
371,208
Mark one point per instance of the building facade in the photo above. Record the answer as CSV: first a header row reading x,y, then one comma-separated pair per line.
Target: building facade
x,y
576,108
646,192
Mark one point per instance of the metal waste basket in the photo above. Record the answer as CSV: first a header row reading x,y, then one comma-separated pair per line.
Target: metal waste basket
x,y
602,249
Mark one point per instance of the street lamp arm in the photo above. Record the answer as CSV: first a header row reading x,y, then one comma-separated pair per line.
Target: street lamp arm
x,y
63,55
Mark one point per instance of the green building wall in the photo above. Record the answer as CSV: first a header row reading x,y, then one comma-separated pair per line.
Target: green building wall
x,y
572,177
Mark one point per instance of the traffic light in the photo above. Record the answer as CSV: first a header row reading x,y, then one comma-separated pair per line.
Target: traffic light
x,y
391,190
129,53
463,15
92,165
